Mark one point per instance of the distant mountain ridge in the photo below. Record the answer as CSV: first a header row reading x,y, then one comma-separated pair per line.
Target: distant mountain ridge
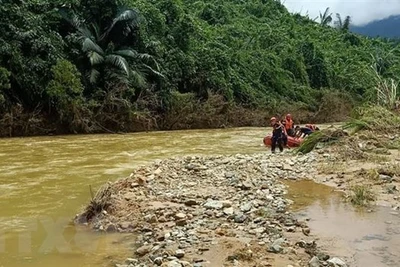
x,y
389,27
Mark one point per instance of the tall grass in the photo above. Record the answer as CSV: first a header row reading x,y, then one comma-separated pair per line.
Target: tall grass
x,y
361,195
386,91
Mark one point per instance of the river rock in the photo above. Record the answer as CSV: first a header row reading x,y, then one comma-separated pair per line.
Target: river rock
x,y
276,247
179,253
191,202
229,175
158,261
391,189
173,263
336,262
143,250
228,211
131,261
185,264
151,218
182,222
306,231
130,196
125,225
385,178
246,185
213,204
246,207
180,216
111,228
240,218
314,262
226,203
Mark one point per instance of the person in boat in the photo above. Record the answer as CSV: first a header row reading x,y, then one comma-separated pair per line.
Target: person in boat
x,y
312,127
289,125
277,135
302,132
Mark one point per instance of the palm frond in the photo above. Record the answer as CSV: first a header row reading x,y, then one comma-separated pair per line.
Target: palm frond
x,y
328,20
325,18
144,57
119,62
95,58
346,23
71,17
326,13
138,79
85,33
117,77
152,44
153,71
96,31
339,23
93,76
130,16
89,45
126,53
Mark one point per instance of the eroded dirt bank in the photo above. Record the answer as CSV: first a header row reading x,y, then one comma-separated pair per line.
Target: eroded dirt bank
x,y
211,211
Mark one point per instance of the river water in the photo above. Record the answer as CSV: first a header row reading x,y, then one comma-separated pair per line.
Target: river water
x,y
45,180
363,237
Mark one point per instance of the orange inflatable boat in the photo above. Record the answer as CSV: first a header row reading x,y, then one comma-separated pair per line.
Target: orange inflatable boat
x,y
292,141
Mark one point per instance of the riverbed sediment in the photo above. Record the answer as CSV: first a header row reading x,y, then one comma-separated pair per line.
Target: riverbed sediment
x,y
211,211
233,210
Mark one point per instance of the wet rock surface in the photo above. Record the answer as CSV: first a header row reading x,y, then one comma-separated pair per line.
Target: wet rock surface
x,y
210,211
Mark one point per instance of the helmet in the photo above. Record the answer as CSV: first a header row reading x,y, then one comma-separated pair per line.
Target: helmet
x,y
289,116
273,119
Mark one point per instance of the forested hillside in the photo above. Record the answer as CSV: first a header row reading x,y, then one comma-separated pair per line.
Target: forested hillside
x,y
107,66
387,28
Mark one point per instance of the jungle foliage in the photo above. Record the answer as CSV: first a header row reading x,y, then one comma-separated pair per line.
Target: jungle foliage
x,y
126,65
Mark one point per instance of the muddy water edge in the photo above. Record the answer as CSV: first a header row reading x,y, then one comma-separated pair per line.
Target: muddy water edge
x,y
361,236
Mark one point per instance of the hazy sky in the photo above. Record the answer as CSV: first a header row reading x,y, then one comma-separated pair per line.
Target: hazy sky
x,y
361,11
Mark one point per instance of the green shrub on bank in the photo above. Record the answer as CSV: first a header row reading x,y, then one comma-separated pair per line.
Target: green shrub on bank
x,y
377,119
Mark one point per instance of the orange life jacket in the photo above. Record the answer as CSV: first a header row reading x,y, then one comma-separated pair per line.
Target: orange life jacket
x,y
289,124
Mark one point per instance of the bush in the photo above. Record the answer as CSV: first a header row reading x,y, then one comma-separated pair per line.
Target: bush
x,y
377,119
66,93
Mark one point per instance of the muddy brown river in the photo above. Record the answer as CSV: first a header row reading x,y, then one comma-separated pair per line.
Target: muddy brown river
x,y
45,180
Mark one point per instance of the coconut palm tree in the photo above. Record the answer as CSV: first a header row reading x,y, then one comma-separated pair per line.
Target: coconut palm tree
x,y
326,18
109,57
342,25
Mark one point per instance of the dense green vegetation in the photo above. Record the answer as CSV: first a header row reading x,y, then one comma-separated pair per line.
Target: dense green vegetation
x,y
126,65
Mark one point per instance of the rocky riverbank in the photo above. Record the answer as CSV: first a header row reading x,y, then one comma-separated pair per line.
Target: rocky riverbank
x,y
211,211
